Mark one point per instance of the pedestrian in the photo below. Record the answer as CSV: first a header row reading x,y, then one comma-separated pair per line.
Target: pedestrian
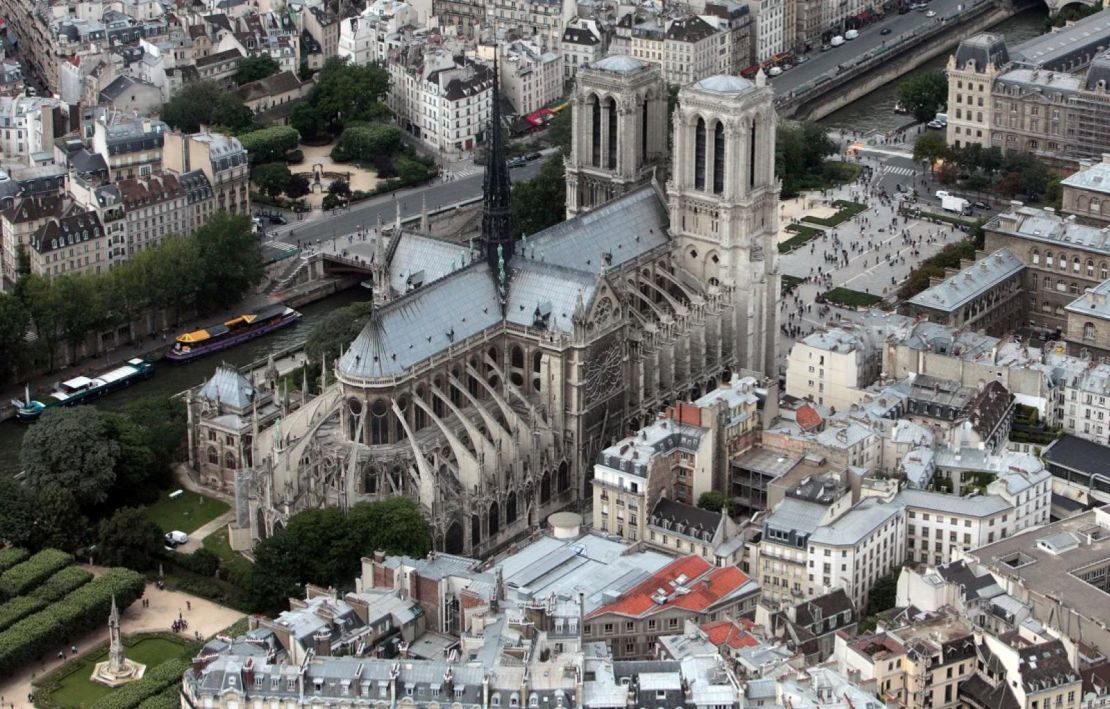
x,y
188,605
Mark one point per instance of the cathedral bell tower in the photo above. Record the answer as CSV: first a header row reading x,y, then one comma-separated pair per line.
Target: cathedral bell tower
x,y
723,198
619,130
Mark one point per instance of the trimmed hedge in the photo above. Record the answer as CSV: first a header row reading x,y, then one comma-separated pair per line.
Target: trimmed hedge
x,y
19,608
846,210
80,611
11,556
170,698
153,683
21,578
62,584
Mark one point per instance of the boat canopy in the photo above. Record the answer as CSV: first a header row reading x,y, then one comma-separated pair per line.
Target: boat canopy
x,y
76,383
117,374
202,335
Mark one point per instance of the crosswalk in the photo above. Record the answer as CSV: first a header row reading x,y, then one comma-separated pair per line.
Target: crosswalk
x,y
458,173
895,170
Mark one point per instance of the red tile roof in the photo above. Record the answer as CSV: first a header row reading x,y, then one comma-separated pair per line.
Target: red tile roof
x,y
808,418
725,632
705,585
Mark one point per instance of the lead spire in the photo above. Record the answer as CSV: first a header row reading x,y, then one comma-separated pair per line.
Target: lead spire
x,y
497,229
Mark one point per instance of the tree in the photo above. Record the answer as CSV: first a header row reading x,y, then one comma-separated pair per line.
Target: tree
x,y
162,424
305,120
412,170
269,144
254,68
542,201
1054,193
948,174
977,183
59,523
334,333
364,142
1009,185
559,130
713,500
800,153
297,186
205,103
80,308
923,95
40,298
272,178
135,466
128,538
346,93
930,146
14,321
884,593
325,546
18,506
72,448
339,189
230,260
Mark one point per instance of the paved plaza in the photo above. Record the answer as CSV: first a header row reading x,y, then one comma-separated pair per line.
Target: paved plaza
x,y
872,252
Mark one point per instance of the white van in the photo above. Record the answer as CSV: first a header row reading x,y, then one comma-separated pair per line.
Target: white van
x,y
851,34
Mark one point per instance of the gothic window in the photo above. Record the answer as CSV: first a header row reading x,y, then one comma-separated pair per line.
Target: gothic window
x,y
1075,264
1036,256
436,402
699,155
494,519
545,488
420,419
403,405
354,409
213,456
456,397
229,461
379,424
475,530
1090,268
719,158
510,508
564,477
1103,271
752,155
471,381
1088,331
611,158
595,110
537,361
516,373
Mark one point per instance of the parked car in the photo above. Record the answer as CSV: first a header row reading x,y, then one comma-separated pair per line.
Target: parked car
x,y
802,59
981,205
518,162
931,13
278,219
533,156
175,539
885,31
826,47
774,71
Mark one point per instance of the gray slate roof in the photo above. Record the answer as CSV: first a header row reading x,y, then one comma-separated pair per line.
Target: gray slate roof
x,y
229,387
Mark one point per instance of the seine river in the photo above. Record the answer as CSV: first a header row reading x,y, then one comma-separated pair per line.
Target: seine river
x,y
876,110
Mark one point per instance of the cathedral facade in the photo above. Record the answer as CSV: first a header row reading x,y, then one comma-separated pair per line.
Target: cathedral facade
x,y
490,377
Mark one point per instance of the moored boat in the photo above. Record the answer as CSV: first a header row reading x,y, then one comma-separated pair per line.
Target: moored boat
x,y
198,343
81,390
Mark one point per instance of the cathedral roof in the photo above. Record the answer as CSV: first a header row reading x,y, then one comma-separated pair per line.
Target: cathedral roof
x,y
229,387
419,260
725,84
619,64
620,230
557,268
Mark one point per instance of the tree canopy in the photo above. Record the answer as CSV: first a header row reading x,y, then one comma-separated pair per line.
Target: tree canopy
x,y
542,201
713,500
344,93
269,144
272,178
325,546
333,333
74,449
924,95
930,146
800,153
205,103
230,260
254,68
128,538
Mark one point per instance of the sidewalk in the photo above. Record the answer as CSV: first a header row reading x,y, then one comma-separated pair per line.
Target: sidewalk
x,y
196,539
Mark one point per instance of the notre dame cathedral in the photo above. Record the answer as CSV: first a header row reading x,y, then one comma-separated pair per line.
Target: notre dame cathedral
x,y
487,380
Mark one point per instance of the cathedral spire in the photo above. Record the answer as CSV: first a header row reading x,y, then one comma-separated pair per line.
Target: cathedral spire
x,y
497,230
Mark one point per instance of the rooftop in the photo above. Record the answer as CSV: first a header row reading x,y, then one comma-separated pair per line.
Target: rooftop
x,y
856,524
690,583
959,289
1094,177
1054,49
1094,303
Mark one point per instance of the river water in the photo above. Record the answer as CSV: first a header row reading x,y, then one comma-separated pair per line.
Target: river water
x,y
876,110
170,379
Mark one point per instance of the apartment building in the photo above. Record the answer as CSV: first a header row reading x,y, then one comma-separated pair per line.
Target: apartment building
x,y
686,48
19,223
539,22
531,78
769,35
76,243
371,36
984,295
1086,193
665,459
686,529
29,125
584,42
941,526
222,160
155,206
463,17
132,147
439,98
689,588
832,367
735,21
324,27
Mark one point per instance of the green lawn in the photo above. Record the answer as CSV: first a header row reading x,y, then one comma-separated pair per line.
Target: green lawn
x,y
846,210
77,690
804,233
186,512
217,543
849,298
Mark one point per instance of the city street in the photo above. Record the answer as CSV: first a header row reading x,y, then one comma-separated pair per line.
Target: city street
x,y
325,225
870,37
